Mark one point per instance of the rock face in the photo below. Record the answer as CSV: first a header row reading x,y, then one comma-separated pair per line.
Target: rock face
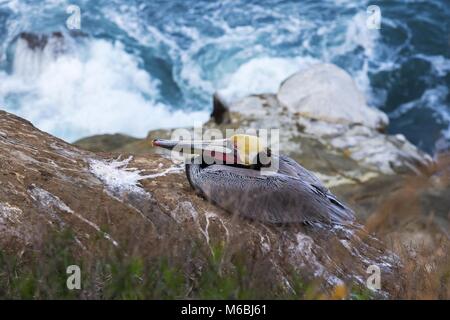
x,y
46,183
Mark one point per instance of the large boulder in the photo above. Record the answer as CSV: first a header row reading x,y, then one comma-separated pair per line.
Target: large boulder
x,y
327,93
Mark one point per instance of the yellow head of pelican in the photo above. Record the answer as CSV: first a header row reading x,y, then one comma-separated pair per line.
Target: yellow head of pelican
x,y
247,148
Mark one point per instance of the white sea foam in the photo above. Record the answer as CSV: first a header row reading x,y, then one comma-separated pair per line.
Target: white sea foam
x,y
98,89
358,34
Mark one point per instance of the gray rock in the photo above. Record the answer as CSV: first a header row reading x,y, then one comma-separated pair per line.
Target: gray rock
x,y
220,112
328,93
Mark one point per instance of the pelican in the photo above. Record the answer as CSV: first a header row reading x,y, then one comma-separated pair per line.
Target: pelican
x,y
228,173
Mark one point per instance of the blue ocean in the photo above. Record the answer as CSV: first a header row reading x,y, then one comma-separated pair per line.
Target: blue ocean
x,y
139,65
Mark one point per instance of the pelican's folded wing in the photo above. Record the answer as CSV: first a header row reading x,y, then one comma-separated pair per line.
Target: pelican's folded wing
x,y
274,199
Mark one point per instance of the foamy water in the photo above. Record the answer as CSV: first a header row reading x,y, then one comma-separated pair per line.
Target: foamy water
x,y
97,89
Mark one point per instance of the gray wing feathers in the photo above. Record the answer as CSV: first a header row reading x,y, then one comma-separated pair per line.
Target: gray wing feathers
x,y
279,198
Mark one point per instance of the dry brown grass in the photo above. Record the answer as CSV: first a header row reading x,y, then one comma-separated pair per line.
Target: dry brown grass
x,y
409,223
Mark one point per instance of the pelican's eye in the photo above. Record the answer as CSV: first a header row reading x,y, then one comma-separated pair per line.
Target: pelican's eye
x,y
247,148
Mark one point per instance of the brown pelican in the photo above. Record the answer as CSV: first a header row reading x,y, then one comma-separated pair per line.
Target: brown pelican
x,y
229,175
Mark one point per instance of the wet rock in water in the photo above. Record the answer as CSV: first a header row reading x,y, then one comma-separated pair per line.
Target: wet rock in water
x,y
33,51
137,203
35,41
39,42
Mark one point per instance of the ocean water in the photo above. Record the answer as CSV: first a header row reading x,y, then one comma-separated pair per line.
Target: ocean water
x,y
140,65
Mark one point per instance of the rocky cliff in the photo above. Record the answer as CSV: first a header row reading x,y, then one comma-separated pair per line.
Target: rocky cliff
x,y
49,184
132,204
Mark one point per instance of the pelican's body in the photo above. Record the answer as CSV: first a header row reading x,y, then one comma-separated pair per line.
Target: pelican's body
x,y
290,195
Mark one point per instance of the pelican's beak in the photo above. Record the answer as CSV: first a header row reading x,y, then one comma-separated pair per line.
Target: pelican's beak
x,y
220,149
166,144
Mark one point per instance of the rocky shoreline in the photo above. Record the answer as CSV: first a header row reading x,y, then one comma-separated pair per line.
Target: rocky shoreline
x,y
130,198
